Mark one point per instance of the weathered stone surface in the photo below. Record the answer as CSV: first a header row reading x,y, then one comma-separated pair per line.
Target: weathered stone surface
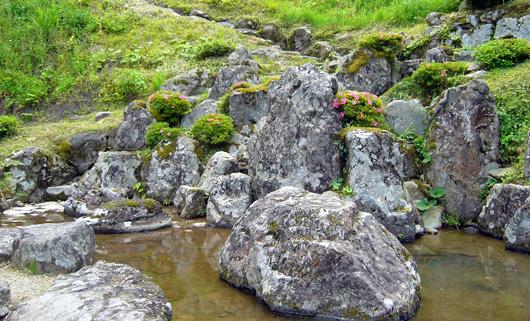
x,y
221,163
463,139
130,135
199,13
527,159
517,233
502,203
363,71
35,170
320,49
437,55
300,39
191,83
512,27
102,115
272,33
128,216
206,107
55,248
83,149
407,67
191,201
34,209
476,36
248,107
406,116
59,193
293,141
5,297
432,218
318,256
8,238
375,173
104,291
170,166
240,56
434,19
230,197
230,75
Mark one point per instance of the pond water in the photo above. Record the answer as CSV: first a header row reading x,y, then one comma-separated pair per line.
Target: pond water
x,y
464,277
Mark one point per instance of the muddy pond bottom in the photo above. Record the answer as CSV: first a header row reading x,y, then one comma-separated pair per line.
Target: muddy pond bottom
x,y
464,277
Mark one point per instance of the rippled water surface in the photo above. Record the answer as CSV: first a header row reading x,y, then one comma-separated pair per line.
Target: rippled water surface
x,y
463,277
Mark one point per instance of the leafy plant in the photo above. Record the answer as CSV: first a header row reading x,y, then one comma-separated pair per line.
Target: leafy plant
x,y
8,126
450,219
168,106
140,190
502,53
160,132
124,85
339,186
213,129
487,187
422,154
434,197
359,109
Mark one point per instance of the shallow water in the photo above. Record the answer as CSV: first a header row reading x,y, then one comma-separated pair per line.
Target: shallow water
x,y
463,277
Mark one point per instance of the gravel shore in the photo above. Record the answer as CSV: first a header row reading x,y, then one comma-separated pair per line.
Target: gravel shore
x,y
24,285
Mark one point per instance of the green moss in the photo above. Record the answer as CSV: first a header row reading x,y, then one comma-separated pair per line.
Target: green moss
x,y
406,255
165,150
123,203
360,59
273,227
355,314
63,148
32,267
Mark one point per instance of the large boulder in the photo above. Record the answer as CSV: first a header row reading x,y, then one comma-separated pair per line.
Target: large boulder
x,y
8,238
128,216
517,233
104,291
300,39
502,203
190,202
318,256
81,150
463,139
130,135
513,28
375,173
55,248
475,36
364,71
221,163
33,169
229,198
298,134
191,83
248,107
241,68
170,166
5,298
204,108
406,116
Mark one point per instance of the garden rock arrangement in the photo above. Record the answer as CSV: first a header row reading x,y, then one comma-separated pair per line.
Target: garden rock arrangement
x,y
104,291
50,248
301,251
517,231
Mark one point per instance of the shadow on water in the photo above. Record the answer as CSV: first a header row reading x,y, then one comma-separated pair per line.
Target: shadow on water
x,y
464,277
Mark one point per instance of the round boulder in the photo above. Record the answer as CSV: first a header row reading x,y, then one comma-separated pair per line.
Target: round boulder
x,y
318,256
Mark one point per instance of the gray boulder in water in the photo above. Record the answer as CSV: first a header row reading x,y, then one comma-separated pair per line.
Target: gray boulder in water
x,y
517,233
295,144
317,256
54,248
230,196
104,291
375,173
502,203
463,139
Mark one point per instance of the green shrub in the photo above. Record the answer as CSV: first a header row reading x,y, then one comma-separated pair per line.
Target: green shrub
x,y
124,85
213,129
213,48
8,126
21,90
168,106
160,132
114,23
359,109
503,53
387,44
431,79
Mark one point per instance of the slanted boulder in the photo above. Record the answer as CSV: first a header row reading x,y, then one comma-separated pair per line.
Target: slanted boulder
x,y
130,135
34,169
54,248
437,55
463,139
170,166
317,256
517,233
513,28
502,203
5,298
375,173
248,107
241,69
205,108
406,116
229,198
191,201
191,83
81,150
295,144
8,238
364,71
475,36
300,39
104,291
221,163
128,216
